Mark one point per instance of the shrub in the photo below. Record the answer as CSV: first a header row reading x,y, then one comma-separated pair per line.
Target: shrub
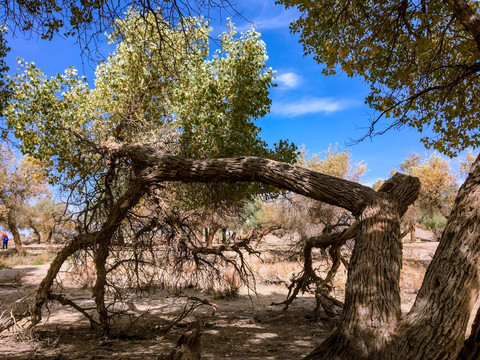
x,y
434,221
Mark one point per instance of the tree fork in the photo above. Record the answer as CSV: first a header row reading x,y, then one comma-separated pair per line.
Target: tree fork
x,y
129,199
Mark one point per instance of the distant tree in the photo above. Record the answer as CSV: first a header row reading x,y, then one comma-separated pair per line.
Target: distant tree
x,y
466,163
438,186
20,183
44,218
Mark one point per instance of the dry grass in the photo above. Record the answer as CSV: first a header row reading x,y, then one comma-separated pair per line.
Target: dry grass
x,y
84,277
281,268
27,259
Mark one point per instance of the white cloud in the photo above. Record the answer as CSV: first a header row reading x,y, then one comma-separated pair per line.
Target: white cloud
x,y
289,80
310,106
266,15
281,21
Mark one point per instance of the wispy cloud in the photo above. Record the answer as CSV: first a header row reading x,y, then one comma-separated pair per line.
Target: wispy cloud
x,y
279,21
288,80
268,16
310,106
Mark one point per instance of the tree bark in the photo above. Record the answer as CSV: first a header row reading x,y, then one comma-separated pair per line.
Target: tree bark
x,y
469,19
435,326
335,191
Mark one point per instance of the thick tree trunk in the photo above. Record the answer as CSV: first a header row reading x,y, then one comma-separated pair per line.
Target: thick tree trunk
x,y
211,235
335,191
372,298
435,326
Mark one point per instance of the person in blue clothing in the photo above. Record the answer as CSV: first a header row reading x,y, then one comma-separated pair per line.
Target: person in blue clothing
x,y
4,241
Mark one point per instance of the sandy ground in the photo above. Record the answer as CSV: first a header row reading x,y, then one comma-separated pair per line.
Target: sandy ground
x,y
245,327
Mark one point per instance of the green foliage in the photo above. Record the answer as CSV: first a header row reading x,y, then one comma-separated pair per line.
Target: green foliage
x,y
4,49
47,116
420,61
434,221
438,190
161,86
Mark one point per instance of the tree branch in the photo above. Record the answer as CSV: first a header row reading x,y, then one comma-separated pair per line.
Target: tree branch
x,y
467,17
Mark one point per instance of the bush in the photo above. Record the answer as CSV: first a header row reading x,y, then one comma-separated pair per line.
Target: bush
x,y
434,221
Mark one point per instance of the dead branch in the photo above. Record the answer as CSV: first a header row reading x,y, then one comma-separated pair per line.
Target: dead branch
x,y
190,306
64,301
308,276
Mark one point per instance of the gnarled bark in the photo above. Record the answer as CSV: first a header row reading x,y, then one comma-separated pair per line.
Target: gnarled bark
x,y
335,191
435,326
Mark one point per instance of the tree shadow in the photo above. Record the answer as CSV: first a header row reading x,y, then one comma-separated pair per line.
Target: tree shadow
x,y
246,327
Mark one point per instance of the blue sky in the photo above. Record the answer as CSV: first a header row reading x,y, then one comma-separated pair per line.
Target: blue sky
x,y
307,107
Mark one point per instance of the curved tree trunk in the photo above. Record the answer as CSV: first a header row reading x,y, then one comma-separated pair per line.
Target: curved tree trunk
x,y
118,212
372,304
36,232
435,326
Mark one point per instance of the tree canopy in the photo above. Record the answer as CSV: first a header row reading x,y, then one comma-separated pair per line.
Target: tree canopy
x,y
148,91
421,59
